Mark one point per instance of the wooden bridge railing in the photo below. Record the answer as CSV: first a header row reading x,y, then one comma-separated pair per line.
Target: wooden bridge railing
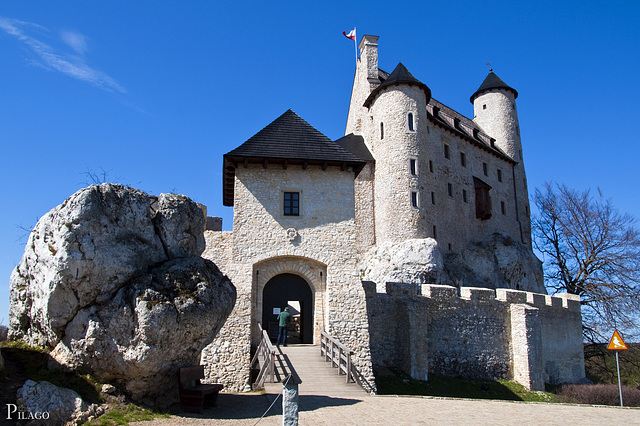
x,y
337,354
265,357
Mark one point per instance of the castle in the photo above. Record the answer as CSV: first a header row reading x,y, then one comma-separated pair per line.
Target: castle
x,y
408,240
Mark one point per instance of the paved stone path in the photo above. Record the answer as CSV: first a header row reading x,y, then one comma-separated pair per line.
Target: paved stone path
x,y
325,399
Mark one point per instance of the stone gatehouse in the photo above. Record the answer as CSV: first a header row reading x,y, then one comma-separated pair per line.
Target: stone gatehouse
x,y
408,239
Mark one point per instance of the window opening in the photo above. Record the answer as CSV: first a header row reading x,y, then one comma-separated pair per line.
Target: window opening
x,y
433,197
485,169
499,175
450,189
464,195
435,233
483,199
292,204
414,199
503,210
446,151
431,166
410,121
463,159
381,130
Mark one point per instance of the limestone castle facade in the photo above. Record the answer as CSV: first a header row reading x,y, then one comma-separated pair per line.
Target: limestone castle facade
x,y
408,240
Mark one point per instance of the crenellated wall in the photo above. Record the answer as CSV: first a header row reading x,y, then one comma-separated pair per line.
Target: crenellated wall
x,y
476,333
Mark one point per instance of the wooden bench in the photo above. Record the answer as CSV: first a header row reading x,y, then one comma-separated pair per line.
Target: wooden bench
x,y
192,392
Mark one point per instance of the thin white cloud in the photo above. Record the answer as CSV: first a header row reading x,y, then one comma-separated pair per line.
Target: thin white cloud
x,y
49,58
74,40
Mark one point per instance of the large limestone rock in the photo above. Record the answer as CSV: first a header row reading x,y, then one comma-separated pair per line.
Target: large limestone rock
x,y
417,261
499,262
113,280
47,404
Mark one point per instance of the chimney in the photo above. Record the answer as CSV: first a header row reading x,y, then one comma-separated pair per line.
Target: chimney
x,y
369,57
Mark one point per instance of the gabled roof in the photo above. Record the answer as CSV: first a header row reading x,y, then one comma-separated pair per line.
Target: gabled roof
x,y
492,82
400,75
288,140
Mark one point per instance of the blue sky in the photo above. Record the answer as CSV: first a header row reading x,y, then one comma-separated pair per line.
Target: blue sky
x,y
155,92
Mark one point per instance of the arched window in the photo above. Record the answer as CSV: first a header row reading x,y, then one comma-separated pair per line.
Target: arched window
x,y
381,130
410,121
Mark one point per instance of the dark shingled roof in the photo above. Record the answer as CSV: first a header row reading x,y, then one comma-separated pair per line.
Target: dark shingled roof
x,y
355,144
288,140
492,82
400,75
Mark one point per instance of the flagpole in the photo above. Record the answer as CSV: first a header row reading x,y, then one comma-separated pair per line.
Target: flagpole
x,y
355,43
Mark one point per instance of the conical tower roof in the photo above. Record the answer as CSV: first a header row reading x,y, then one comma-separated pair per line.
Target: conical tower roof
x,y
492,82
400,75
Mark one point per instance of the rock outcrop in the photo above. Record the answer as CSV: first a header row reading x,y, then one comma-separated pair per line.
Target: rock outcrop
x,y
47,404
497,263
417,261
113,281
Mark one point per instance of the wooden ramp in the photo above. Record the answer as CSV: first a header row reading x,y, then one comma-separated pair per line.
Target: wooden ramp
x,y
318,377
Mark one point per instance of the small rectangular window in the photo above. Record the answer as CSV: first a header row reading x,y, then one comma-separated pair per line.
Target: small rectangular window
x,y
463,159
431,166
292,204
435,233
485,169
503,209
450,189
414,199
433,197
410,121
499,175
464,195
413,166
446,151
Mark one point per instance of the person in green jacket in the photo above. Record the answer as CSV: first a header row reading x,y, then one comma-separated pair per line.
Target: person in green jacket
x,y
284,318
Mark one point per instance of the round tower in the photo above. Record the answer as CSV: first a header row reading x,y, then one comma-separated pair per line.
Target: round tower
x,y
398,123
494,107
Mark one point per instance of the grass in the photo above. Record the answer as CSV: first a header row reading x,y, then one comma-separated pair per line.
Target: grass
x,y
130,413
399,383
34,362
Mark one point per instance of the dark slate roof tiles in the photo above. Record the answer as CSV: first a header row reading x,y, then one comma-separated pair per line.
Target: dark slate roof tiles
x,y
400,75
492,82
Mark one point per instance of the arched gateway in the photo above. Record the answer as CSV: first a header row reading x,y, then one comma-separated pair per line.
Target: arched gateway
x,y
290,281
293,291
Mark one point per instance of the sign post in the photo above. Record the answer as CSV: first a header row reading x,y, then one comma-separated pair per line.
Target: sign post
x,y
617,344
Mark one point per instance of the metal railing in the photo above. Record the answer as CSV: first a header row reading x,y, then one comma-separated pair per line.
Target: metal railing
x,y
265,357
337,354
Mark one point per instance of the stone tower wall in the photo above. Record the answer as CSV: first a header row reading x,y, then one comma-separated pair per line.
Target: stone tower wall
x,y
496,113
395,218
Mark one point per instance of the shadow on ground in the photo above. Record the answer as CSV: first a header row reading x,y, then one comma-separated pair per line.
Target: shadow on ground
x,y
240,406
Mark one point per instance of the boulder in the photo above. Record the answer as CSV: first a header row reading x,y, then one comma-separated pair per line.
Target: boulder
x,y
416,261
112,279
155,324
499,262
46,404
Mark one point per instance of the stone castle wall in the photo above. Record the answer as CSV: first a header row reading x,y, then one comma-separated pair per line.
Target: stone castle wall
x,y
476,333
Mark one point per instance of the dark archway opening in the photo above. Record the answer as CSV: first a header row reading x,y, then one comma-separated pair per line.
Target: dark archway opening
x,y
293,291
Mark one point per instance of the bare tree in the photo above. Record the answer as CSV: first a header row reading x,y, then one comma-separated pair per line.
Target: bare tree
x,y
592,250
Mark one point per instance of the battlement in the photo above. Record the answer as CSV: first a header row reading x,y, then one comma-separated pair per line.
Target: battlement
x,y
442,293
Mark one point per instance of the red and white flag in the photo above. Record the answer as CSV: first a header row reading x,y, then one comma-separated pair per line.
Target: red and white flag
x,y
351,35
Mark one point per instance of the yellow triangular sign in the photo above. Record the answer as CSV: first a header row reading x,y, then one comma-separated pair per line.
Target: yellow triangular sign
x,y
616,343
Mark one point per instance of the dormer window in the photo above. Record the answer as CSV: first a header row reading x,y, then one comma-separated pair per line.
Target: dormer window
x,y
410,123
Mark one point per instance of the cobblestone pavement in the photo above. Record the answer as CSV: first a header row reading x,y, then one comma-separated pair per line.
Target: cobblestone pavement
x,y
246,409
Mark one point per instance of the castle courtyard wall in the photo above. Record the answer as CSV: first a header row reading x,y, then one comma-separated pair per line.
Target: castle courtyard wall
x,y
475,333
